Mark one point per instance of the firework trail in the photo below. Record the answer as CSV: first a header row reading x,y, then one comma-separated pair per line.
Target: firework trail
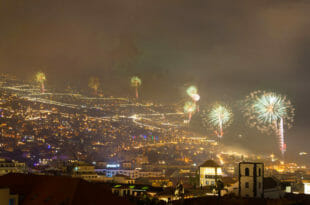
x,y
136,83
189,108
40,78
94,84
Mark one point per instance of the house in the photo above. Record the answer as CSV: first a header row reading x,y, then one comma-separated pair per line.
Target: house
x,y
209,173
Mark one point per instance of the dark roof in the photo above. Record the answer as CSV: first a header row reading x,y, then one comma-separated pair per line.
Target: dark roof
x,y
37,190
270,183
209,163
251,163
229,180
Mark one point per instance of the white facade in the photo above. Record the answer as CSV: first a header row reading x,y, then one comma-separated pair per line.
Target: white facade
x,y
209,175
132,173
251,177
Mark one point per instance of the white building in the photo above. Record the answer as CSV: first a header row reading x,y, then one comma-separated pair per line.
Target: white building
x,y
209,173
132,173
251,179
84,171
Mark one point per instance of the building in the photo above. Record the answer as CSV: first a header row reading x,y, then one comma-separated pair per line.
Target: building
x,y
7,166
251,179
132,173
209,173
122,179
136,190
84,171
155,181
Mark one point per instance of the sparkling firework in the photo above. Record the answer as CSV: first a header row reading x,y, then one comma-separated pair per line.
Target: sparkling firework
x,y
189,108
220,116
136,83
192,90
269,112
94,84
41,78
196,97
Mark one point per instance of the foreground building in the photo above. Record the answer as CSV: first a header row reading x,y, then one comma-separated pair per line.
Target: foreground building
x,y
251,179
209,173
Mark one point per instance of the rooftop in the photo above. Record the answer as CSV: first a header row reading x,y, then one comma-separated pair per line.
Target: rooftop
x,y
209,163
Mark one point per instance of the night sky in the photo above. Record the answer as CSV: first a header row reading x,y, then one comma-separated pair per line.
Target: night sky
x,y
227,48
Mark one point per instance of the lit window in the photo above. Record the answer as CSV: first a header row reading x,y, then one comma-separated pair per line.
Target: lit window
x,y
307,188
209,171
219,171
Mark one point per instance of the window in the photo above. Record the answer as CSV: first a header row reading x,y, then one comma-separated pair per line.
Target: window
x,y
247,185
209,171
247,172
259,185
259,172
207,182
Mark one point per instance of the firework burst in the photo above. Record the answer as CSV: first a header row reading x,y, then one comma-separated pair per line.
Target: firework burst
x,y
191,91
218,117
189,108
269,113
